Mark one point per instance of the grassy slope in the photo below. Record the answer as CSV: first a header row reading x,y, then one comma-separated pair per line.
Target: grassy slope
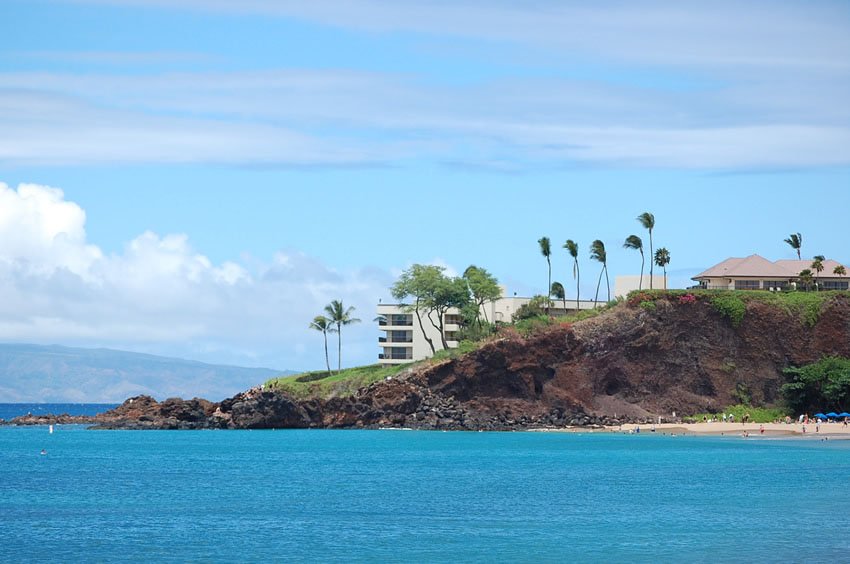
x,y
346,382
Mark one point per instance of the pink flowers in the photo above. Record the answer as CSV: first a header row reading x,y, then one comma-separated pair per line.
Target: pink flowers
x,y
688,299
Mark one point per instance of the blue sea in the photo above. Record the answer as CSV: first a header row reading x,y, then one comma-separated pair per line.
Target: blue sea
x,y
415,496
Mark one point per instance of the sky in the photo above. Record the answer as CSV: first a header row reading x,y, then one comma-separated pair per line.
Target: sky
x,y
198,178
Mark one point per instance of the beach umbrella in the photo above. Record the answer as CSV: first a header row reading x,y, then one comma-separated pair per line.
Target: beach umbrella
x,y
844,414
820,415
832,415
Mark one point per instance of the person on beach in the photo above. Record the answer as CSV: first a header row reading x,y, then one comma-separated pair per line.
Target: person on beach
x,y
724,417
761,429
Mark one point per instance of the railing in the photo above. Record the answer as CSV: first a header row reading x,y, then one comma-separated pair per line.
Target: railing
x,y
382,339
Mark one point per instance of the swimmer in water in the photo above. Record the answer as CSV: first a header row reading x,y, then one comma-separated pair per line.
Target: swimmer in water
x,y
43,452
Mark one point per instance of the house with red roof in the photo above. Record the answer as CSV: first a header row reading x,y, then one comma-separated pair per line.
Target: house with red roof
x,y
757,273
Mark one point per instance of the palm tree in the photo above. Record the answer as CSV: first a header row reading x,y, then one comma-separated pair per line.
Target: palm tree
x,y
339,315
662,259
796,241
323,324
634,242
805,278
597,253
839,270
572,248
546,251
817,266
648,221
558,291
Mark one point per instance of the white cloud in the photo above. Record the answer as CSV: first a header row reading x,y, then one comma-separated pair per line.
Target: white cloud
x,y
711,85
160,295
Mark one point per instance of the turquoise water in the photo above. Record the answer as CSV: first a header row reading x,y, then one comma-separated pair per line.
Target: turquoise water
x,y
374,496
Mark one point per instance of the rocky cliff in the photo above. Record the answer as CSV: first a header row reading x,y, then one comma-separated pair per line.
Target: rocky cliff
x,y
658,354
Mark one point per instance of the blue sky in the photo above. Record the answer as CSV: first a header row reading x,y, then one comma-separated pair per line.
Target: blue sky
x,y
224,169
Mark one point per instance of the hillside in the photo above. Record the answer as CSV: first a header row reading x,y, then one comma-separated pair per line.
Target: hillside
x,y
658,354
35,373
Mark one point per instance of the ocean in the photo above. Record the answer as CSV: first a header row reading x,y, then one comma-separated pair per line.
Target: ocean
x,y
417,496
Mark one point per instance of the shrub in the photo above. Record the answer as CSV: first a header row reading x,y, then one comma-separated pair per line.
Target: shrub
x,y
648,305
824,384
730,306
687,299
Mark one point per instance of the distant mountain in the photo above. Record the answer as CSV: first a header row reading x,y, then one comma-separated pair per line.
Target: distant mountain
x,y
36,373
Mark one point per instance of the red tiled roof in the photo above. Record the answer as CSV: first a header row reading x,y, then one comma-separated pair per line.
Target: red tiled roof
x,y
755,266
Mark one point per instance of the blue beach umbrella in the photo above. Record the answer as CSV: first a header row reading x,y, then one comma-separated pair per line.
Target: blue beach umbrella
x,y
844,414
820,415
832,415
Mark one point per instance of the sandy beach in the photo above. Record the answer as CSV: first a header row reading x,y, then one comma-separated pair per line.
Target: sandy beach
x,y
831,430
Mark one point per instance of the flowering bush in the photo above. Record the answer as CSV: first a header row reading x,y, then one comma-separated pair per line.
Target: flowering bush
x,y
688,299
637,298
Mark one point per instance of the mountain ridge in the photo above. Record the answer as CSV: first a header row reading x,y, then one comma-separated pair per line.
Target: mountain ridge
x,y
58,373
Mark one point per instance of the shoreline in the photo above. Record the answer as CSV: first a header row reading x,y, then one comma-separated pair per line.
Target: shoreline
x,y
831,430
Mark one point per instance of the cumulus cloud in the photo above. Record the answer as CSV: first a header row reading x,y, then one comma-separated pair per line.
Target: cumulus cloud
x,y
160,295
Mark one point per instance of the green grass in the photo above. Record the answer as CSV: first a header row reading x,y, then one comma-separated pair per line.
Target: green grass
x,y
319,385
757,414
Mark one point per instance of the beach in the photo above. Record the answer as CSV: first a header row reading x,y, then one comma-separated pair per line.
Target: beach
x,y
831,430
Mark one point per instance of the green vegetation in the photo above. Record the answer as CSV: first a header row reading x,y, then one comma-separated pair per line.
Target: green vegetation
x,y
662,259
572,249
647,305
345,382
647,220
546,251
824,385
731,306
323,324
484,288
757,414
597,253
634,242
795,240
340,316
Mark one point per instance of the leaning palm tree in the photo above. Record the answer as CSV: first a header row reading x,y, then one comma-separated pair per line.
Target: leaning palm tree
x,y
817,266
648,221
662,259
597,253
839,270
339,315
634,242
558,291
546,251
796,242
572,248
323,324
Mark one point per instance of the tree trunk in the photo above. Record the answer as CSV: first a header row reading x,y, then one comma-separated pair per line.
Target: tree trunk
x,y
549,287
598,284
439,327
651,260
422,328
607,283
578,285
327,357
642,262
338,348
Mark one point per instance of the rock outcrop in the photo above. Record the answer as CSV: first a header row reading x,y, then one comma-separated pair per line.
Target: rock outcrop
x,y
631,364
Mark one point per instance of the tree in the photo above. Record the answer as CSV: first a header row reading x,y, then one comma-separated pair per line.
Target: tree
x,y
557,290
572,248
597,253
546,251
323,324
648,221
662,259
796,242
822,385
817,266
806,278
484,288
839,270
634,242
433,294
340,316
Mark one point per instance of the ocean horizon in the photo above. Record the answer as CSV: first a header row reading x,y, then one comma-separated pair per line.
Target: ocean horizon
x,y
9,411
423,496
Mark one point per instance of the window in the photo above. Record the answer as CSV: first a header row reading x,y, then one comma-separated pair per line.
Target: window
x,y
775,284
402,336
453,319
400,353
401,319
834,284
746,284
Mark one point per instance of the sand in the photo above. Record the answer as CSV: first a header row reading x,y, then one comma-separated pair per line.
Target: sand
x,y
832,430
